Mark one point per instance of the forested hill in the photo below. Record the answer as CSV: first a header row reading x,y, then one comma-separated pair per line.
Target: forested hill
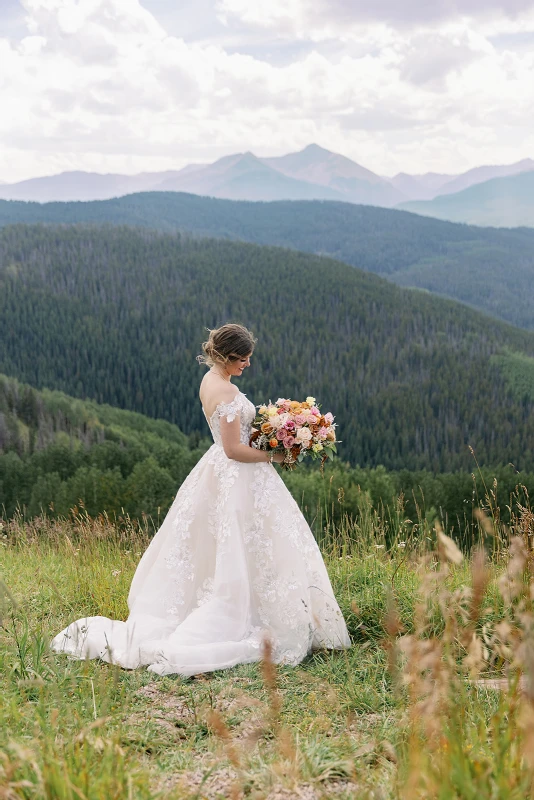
x,y
490,269
117,315
56,451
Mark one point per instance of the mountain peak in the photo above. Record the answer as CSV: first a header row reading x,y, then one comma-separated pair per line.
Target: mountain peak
x,y
315,148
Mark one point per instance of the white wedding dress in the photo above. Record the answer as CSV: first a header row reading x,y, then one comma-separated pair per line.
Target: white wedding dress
x,y
234,561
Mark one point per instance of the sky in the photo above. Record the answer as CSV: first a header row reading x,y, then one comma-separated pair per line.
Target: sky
x,y
146,85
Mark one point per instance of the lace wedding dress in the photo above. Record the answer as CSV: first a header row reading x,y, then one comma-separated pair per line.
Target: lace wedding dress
x,y
233,561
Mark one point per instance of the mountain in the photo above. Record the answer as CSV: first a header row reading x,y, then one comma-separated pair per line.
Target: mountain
x,y
488,268
312,174
245,177
483,174
432,184
316,173
502,202
420,187
118,315
354,183
72,186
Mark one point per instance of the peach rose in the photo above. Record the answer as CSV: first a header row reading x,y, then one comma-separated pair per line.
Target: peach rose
x,y
274,442
303,435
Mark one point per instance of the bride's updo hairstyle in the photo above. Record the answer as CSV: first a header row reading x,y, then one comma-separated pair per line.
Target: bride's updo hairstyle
x,y
226,344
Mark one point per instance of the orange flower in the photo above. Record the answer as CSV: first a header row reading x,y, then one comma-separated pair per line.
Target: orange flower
x,y
331,435
273,442
266,428
295,404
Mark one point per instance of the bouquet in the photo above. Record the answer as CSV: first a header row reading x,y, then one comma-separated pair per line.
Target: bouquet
x,y
295,429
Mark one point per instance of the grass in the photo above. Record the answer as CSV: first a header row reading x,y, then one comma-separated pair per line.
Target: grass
x,y
404,713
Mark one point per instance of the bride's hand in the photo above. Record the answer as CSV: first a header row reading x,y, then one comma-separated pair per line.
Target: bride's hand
x,y
279,458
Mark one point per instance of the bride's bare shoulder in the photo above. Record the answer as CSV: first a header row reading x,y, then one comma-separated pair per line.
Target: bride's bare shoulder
x,y
215,391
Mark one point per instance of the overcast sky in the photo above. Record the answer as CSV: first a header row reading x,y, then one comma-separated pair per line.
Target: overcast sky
x,y
143,85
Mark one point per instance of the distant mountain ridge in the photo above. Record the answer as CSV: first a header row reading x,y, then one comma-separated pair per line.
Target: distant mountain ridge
x,y
486,173
500,202
313,173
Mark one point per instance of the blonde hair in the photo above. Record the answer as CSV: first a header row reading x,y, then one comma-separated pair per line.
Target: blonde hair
x,y
227,343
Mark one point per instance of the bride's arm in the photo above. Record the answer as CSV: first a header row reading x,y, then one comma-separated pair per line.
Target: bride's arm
x,y
236,450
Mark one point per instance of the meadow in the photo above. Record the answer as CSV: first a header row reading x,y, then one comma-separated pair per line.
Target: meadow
x,y
435,698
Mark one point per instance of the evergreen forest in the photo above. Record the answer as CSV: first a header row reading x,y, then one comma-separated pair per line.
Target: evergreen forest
x,y
488,268
117,315
60,455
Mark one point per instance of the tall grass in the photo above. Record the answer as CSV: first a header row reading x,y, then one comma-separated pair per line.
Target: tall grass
x,y
435,699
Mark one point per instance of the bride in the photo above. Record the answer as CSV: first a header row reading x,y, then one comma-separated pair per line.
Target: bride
x,y
233,562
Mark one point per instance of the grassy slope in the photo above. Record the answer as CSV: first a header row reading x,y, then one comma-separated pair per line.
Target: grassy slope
x,y
504,202
343,729
489,269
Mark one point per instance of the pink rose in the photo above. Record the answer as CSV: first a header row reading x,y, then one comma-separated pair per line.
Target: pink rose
x,y
322,433
329,418
280,434
290,425
300,419
315,410
289,441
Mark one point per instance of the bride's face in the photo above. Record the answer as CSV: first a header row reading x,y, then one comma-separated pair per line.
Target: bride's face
x,y
237,367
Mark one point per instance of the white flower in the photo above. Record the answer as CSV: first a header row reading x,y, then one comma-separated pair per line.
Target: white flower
x,y
310,400
304,435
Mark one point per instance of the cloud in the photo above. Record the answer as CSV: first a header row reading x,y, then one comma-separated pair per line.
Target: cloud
x,y
299,16
101,85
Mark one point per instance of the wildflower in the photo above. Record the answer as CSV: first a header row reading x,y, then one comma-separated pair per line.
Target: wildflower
x,y
116,572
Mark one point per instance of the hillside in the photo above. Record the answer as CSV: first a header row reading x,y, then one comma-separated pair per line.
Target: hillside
x,y
502,202
118,315
56,450
58,453
490,269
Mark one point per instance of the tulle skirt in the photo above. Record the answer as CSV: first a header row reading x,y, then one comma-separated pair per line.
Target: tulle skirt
x,y
234,562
